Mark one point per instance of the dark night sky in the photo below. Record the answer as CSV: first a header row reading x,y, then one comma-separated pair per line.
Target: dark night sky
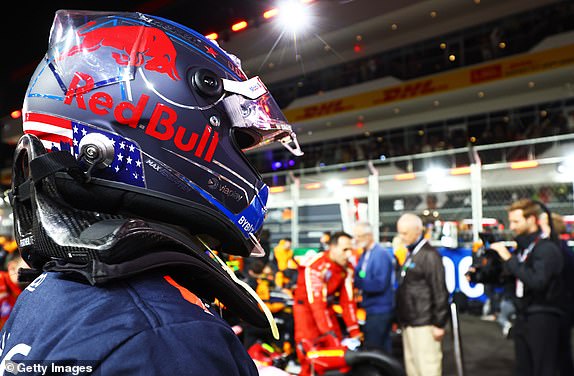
x,y
26,31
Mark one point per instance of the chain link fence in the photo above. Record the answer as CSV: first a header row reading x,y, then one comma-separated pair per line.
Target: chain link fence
x,y
440,188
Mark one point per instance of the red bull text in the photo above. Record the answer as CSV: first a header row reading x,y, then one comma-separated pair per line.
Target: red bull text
x,y
161,124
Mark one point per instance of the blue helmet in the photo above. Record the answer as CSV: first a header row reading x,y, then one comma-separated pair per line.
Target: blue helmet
x,y
157,118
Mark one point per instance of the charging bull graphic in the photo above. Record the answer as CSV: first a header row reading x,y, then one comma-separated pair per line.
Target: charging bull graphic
x,y
138,45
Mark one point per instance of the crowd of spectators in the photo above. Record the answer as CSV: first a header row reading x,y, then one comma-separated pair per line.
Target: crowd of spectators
x,y
502,37
524,123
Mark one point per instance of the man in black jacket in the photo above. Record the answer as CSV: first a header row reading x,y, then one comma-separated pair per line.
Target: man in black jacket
x,y
422,300
539,294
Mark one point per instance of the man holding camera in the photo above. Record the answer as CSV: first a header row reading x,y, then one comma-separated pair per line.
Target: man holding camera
x,y
539,295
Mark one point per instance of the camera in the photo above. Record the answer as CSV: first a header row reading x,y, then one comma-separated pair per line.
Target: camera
x,y
487,266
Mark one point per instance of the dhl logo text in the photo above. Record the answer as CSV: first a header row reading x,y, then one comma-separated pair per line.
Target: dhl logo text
x,y
406,91
324,109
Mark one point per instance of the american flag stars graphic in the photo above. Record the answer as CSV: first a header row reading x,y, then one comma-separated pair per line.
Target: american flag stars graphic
x,y
127,164
63,134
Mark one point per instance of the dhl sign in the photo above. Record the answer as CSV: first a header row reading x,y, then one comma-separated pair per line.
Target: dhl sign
x,y
523,64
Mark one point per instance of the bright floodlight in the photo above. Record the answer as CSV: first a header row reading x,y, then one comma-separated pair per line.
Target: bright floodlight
x,y
435,172
293,15
334,185
567,166
435,175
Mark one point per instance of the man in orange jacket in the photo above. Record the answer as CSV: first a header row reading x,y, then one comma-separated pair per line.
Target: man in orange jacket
x,y
323,281
282,253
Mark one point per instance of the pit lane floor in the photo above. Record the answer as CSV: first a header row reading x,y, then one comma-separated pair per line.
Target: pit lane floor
x,y
484,348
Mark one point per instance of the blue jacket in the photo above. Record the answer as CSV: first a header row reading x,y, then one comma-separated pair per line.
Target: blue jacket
x,y
139,326
377,282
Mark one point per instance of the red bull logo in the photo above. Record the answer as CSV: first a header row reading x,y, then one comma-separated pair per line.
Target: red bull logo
x,y
162,123
137,46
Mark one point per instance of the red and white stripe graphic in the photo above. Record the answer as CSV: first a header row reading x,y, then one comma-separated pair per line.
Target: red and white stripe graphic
x,y
51,130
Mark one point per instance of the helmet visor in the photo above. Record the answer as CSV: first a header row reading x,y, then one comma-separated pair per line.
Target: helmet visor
x,y
256,116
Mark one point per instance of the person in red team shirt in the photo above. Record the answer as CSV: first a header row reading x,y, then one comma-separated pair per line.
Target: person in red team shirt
x,y
10,288
323,281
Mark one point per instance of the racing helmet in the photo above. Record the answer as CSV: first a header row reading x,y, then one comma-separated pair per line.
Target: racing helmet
x,y
155,119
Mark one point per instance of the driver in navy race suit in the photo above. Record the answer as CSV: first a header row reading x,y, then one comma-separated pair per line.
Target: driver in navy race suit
x,y
130,173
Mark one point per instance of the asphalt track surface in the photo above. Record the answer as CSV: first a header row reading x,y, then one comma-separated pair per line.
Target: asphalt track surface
x,y
485,351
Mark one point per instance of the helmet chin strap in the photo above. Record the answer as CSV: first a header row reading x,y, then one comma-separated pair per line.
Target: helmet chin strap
x,y
143,247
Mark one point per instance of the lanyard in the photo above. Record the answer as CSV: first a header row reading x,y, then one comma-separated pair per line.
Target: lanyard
x,y
519,289
527,251
409,259
363,271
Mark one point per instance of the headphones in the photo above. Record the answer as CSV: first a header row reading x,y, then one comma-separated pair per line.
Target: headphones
x,y
553,235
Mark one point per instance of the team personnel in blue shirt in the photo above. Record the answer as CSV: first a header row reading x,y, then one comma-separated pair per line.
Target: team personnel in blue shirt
x,y
375,278
129,181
